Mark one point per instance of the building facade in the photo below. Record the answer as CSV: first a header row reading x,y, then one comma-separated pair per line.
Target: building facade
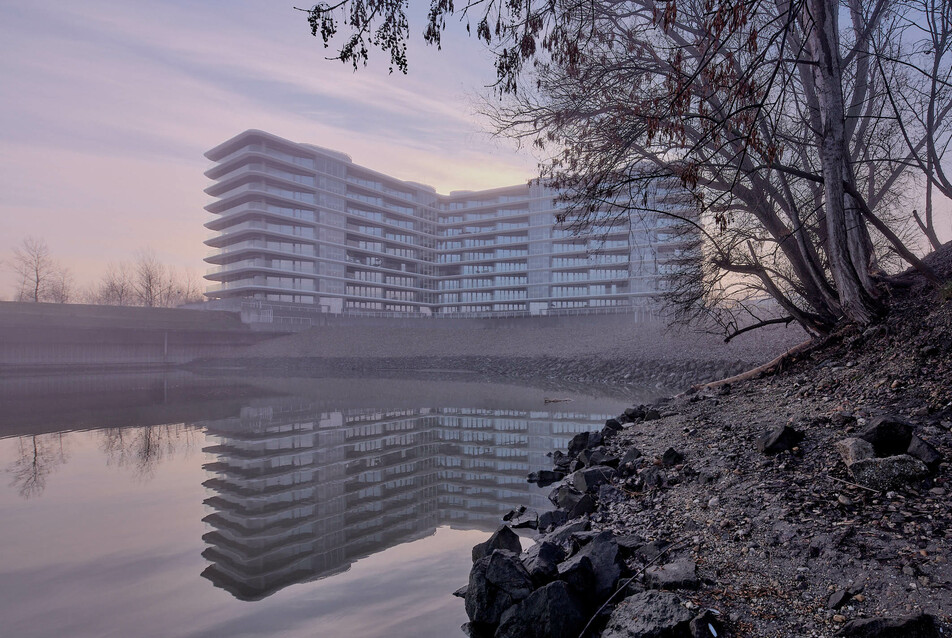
x,y
303,224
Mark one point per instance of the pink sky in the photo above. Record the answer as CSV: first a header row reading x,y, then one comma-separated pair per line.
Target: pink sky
x,y
109,106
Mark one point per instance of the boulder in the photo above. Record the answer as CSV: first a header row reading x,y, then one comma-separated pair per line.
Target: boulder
x,y
671,457
681,574
628,544
583,441
889,435
652,415
502,538
652,614
544,478
888,472
855,449
552,518
635,412
613,424
606,561
925,453
629,463
563,535
552,611
916,626
598,456
496,583
585,505
542,561
589,479
779,439
528,519
579,574
565,496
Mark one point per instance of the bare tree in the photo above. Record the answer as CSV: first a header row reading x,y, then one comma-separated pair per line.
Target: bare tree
x,y
34,267
773,115
116,287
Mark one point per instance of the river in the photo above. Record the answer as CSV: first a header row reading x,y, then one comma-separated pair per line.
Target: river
x,y
180,505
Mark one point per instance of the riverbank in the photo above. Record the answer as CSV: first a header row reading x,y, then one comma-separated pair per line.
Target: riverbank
x,y
740,500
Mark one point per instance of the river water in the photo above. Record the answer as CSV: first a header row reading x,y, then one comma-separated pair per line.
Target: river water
x,y
177,505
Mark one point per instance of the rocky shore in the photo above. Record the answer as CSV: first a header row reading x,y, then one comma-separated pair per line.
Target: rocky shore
x,y
541,370
813,501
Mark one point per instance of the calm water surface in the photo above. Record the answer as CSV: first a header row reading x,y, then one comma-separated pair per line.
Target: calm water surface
x,y
183,506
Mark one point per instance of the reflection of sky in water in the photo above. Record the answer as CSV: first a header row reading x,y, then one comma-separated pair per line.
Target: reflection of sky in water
x,y
109,539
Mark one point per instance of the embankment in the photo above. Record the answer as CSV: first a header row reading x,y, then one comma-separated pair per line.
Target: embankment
x,y
580,349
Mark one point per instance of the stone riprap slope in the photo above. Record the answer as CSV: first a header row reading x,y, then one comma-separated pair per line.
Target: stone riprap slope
x,y
813,502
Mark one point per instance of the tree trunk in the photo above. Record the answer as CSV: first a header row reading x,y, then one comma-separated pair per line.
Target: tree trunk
x,y
847,250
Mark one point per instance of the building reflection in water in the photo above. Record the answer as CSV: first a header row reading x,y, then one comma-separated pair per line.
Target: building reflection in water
x,y
301,492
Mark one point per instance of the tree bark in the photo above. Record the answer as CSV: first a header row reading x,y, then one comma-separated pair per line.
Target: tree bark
x,y
848,250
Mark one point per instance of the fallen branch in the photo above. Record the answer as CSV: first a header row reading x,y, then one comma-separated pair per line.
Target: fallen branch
x,y
750,374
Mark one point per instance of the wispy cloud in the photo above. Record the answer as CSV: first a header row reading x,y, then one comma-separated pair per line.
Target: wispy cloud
x,y
111,104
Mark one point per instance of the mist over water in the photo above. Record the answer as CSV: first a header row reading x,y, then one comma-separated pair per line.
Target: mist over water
x,y
178,505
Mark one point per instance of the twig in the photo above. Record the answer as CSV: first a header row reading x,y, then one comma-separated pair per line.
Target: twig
x,y
638,573
862,487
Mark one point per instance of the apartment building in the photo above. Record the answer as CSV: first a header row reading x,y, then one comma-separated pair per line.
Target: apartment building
x,y
302,224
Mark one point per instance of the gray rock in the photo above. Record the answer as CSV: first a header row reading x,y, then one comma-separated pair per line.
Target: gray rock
x,y
552,611
855,449
563,534
583,441
925,453
606,561
528,519
889,435
565,496
542,561
650,551
891,471
502,538
681,574
918,626
589,479
652,614
629,462
496,583
613,424
628,544
552,518
598,456
671,457
837,599
585,505
635,413
579,574
652,415
779,439
544,478
461,592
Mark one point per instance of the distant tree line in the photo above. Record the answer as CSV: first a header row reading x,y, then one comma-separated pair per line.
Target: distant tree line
x,y
143,281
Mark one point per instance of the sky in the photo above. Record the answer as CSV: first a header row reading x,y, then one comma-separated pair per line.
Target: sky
x,y
109,105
